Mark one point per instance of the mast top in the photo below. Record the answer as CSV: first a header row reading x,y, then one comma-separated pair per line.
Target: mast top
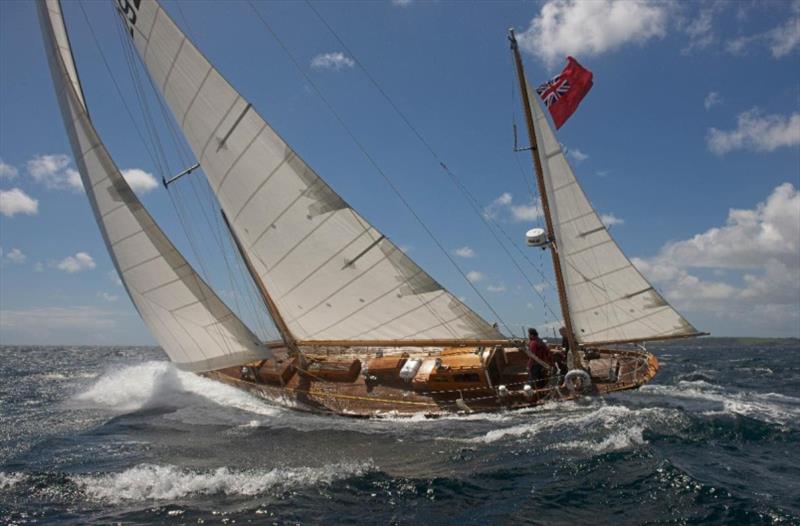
x,y
512,37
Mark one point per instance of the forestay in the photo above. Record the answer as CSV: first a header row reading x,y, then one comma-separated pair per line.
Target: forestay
x,y
608,298
331,274
192,325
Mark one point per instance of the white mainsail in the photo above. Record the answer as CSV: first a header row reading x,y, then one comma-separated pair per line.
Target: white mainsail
x,y
193,326
608,298
331,274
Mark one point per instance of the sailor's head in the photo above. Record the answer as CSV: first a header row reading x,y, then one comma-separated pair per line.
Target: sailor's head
x,y
563,331
533,333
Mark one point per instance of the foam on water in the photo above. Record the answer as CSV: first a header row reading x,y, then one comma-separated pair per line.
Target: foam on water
x,y
65,376
168,482
8,480
627,438
156,383
772,408
607,427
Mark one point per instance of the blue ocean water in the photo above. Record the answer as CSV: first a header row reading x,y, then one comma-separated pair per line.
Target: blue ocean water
x,y
111,435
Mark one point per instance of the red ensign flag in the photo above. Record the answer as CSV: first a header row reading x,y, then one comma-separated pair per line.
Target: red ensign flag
x,y
565,91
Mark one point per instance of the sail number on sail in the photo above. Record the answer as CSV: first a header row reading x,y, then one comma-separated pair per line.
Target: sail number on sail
x,y
129,11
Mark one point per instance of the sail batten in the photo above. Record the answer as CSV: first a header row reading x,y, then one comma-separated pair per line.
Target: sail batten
x,y
193,326
609,301
326,268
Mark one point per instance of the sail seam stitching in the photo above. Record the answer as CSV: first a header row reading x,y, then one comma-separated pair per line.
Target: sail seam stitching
x,y
223,142
139,264
300,242
590,247
266,179
635,320
172,65
162,285
196,94
150,34
307,276
125,238
278,217
211,136
109,212
366,305
424,303
236,162
341,288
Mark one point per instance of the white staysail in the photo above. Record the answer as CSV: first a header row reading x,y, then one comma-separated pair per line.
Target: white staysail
x,y
331,275
608,298
192,325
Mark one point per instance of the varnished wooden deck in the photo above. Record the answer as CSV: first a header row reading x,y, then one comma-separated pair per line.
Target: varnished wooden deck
x,y
364,398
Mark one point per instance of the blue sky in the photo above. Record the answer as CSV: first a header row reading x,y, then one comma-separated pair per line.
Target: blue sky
x,y
689,143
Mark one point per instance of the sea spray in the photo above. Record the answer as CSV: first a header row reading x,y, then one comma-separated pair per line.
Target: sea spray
x,y
708,398
168,482
7,480
158,384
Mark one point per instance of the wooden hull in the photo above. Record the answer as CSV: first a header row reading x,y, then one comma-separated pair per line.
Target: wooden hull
x,y
448,381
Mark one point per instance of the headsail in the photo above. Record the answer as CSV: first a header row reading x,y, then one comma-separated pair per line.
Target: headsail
x,y
608,298
331,274
193,326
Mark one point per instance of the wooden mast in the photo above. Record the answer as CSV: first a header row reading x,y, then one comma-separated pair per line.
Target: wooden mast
x,y
280,324
537,164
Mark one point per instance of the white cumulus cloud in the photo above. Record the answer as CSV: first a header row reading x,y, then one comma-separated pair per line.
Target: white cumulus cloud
x,y
499,287
107,296
140,181
54,173
529,212
334,61
464,252
474,276
700,29
15,201
77,263
577,155
755,131
611,220
711,100
114,277
781,40
7,171
14,255
585,28
762,244
504,209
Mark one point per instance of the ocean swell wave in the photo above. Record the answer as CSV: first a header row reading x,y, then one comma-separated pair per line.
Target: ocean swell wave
x,y
159,384
710,399
168,482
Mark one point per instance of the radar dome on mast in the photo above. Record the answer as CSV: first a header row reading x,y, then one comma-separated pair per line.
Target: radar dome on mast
x,y
537,237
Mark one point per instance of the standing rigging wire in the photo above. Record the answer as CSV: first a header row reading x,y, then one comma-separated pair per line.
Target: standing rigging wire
x,y
528,181
488,222
215,227
177,205
152,132
375,165
182,210
116,86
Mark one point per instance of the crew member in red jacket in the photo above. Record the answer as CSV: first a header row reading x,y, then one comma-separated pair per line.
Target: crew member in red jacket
x,y
540,360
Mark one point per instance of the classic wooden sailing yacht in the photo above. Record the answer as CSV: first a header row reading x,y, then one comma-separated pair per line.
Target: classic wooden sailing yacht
x,y
364,330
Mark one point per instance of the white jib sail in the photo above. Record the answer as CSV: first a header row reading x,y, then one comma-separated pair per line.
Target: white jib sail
x,y
609,299
331,274
193,326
